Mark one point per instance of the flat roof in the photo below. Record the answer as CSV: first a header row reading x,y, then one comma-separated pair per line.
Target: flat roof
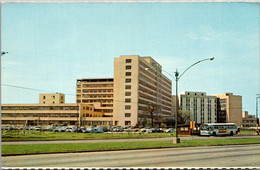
x,y
96,80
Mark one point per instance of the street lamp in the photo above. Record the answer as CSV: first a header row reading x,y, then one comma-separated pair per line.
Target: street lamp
x,y
257,98
177,78
3,53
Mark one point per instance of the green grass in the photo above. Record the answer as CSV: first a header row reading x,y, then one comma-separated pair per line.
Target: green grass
x,y
68,147
16,135
248,131
37,135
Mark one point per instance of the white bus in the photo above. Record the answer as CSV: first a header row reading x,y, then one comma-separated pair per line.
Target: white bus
x,y
213,129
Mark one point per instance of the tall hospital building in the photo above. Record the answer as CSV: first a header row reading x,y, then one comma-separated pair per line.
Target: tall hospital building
x,y
138,83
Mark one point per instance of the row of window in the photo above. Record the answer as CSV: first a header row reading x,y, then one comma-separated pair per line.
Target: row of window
x,y
95,91
95,85
94,101
38,115
39,108
95,96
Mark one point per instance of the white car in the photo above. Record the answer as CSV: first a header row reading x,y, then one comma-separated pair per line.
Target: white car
x,y
170,130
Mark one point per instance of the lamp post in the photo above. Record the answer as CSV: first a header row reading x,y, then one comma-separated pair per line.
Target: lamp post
x,y
257,98
177,78
3,53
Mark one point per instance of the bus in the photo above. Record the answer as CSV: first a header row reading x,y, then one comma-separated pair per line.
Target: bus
x,y
214,129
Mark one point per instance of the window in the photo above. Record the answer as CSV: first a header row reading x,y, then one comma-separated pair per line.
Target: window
x,y
43,97
127,123
128,73
127,114
128,87
128,67
4,108
127,107
128,80
78,86
127,93
127,100
128,60
53,97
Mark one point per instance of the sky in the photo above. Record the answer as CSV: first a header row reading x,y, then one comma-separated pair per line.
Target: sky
x,y
51,45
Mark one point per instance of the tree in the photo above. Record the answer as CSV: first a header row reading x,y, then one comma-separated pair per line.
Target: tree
x,y
151,112
184,117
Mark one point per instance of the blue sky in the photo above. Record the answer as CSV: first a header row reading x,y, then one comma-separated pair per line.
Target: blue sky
x,y
52,45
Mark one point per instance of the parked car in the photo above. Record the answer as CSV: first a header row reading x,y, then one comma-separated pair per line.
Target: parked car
x,y
59,129
170,130
48,128
32,128
152,130
70,129
145,129
98,130
37,128
89,129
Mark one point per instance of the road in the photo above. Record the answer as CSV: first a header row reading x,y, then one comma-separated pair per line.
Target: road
x,y
124,140
213,156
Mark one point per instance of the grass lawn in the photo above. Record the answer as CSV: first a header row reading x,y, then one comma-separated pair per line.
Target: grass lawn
x,y
46,148
15,135
37,135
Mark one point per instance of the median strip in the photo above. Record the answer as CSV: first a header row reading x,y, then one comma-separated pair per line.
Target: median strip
x,y
11,150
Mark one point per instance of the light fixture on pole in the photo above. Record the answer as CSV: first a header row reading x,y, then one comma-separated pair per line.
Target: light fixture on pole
x,y
257,98
3,53
177,78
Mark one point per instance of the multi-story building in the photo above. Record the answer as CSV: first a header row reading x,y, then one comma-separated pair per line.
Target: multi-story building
x,y
51,114
139,88
138,91
98,92
248,120
202,108
229,108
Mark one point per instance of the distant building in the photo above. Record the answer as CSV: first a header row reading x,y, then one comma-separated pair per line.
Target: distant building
x,y
248,120
202,108
51,98
51,113
229,108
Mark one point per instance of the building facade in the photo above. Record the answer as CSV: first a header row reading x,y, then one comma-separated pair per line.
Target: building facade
x,y
99,93
51,98
248,120
229,108
140,90
200,107
57,114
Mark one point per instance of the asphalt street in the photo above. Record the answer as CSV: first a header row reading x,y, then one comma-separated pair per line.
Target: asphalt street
x,y
210,156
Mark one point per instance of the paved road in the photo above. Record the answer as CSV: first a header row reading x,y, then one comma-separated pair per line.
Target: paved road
x,y
214,156
124,140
